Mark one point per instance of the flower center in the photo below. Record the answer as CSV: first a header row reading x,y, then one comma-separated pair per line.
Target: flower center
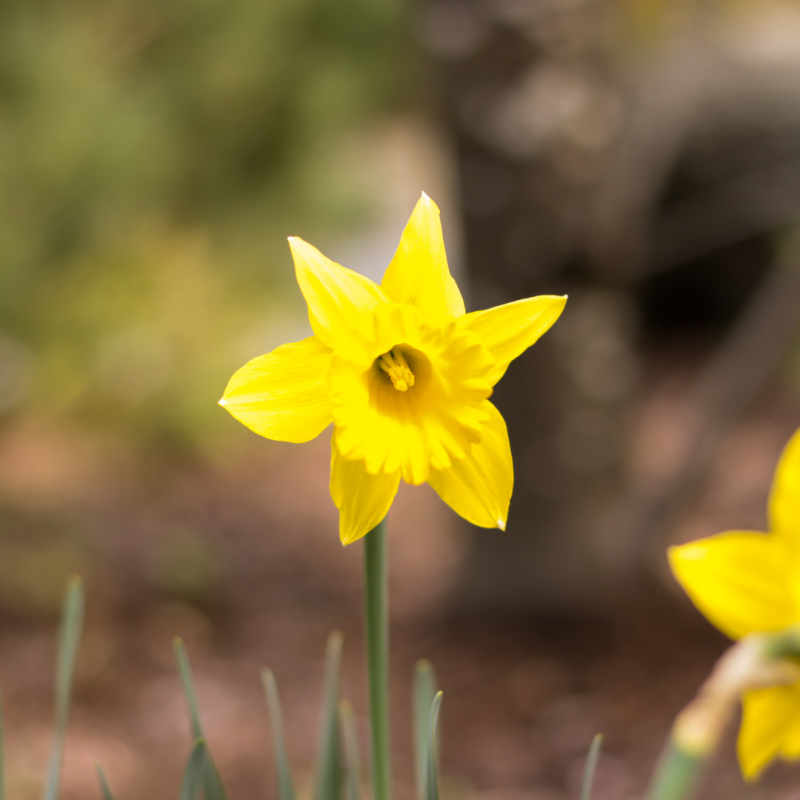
x,y
396,367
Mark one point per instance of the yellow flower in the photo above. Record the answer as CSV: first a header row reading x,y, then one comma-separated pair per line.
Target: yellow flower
x,y
404,375
747,582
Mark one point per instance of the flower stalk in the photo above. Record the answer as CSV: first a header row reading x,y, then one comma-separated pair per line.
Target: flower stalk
x,y
377,625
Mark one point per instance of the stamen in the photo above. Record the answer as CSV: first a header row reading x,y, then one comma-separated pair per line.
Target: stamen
x,y
396,367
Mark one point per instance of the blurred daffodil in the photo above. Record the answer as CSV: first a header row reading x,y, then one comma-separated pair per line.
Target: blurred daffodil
x,y
747,582
403,373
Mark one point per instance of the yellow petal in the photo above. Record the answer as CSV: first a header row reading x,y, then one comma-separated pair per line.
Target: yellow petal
x,y
479,486
418,274
363,500
509,330
738,580
341,303
784,502
790,746
767,715
283,395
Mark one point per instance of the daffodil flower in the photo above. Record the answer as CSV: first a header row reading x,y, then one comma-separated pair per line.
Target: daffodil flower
x,y
747,582
404,375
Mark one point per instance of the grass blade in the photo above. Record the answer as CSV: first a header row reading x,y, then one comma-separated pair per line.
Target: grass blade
x,y
591,765
101,776
329,761
195,770
431,777
352,757
424,691
69,639
185,672
212,783
284,771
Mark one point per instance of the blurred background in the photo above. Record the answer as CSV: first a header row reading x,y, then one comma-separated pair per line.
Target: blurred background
x,y
642,156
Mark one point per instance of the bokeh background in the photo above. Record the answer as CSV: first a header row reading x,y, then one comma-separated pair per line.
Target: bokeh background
x,y
642,156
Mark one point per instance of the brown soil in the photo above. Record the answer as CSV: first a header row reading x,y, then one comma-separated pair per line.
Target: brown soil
x,y
229,554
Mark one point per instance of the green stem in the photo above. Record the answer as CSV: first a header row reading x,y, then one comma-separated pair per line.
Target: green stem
x,y
377,619
677,774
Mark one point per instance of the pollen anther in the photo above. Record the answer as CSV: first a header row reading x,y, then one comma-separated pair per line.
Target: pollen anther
x,y
396,367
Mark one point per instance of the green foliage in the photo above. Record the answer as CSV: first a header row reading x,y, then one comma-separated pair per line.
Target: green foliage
x,y
431,789
194,775
284,771
69,639
338,764
425,690
350,749
212,783
104,787
328,769
591,765
156,154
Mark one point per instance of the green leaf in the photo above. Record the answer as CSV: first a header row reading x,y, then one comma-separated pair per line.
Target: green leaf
x,y
591,765
212,783
185,672
69,639
424,691
352,757
328,769
431,778
284,771
193,776
101,776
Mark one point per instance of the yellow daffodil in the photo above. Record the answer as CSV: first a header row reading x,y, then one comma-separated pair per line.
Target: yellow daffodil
x,y
404,375
747,582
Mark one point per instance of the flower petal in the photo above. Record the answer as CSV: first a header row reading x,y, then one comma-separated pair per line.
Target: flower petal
x,y
341,302
784,502
418,274
283,395
738,580
766,717
479,486
790,746
509,330
363,500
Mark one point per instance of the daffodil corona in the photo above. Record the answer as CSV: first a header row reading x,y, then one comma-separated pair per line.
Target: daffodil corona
x,y
747,582
404,375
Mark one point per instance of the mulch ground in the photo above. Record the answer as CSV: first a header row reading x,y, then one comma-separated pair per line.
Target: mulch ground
x,y
227,553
